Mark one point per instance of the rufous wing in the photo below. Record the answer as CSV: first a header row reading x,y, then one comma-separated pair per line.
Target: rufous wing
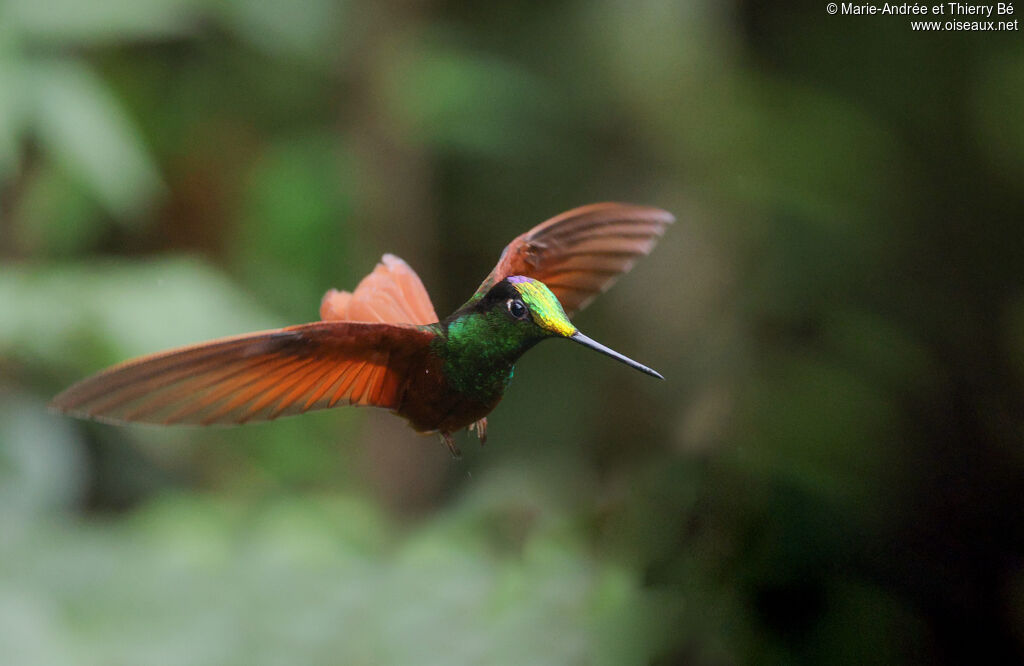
x,y
391,294
256,377
581,252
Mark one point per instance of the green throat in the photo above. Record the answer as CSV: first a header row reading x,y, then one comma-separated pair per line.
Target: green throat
x,y
480,350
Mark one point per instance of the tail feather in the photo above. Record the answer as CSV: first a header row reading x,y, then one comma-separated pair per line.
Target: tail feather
x,y
391,294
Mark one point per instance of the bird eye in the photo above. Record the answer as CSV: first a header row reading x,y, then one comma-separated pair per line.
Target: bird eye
x,y
516,308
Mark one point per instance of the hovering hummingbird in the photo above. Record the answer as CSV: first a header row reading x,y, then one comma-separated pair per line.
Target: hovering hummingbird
x,y
383,345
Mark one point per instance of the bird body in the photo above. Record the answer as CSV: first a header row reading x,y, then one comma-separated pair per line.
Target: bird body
x,y
383,345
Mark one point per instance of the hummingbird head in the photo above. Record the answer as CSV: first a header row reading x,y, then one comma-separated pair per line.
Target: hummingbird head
x,y
535,312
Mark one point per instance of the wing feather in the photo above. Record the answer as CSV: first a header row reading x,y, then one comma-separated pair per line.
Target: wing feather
x,y
302,387
582,252
256,377
325,386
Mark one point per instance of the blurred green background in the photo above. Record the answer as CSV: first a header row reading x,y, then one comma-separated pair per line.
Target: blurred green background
x,y
833,472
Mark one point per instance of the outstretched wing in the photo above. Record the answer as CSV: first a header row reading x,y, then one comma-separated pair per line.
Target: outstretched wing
x,y
391,294
256,377
581,252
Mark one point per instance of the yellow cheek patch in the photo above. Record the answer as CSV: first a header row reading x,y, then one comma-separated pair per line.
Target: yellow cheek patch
x,y
544,306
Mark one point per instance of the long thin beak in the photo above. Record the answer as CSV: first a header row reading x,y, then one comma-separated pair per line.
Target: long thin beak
x,y
597,346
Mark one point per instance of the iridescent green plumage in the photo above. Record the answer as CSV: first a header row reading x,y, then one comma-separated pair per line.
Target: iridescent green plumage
x,y
480,342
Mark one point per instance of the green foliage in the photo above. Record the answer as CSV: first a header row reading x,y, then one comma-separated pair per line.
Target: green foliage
x,y
105,312
466,102
310,579
65,107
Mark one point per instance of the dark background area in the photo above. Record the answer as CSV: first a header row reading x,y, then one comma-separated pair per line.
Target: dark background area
x,y
832,472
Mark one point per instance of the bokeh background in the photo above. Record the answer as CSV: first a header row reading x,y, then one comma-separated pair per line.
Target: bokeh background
x,y
832,473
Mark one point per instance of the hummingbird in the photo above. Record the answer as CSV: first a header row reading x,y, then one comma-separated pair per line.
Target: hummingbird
x,y
383,345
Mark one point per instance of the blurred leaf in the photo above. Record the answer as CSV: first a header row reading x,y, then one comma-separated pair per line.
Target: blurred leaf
x,y
303,27
84,128
41,461
28,627
67,22
56,217
12,110
89,316
295,240
196,581
469,102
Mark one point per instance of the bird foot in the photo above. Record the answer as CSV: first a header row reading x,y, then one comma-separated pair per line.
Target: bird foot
x,y
449,441
481,430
